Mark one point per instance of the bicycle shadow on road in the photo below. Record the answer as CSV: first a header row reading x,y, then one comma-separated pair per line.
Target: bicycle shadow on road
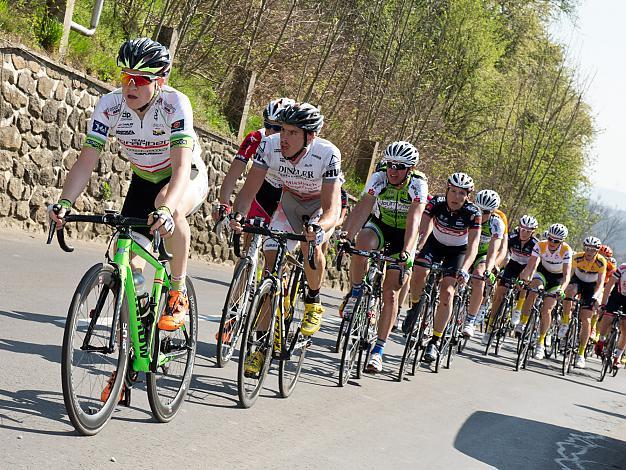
x,y
50,352
24,405
56,320
508,442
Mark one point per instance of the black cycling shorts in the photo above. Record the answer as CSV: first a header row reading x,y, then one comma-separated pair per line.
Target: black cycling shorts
x,y
549,280
140,199
511,272
390,239
616,302
268,198
585,289
451,257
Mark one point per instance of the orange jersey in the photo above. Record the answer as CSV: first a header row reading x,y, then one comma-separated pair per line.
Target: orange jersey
x,y
504,219
610,269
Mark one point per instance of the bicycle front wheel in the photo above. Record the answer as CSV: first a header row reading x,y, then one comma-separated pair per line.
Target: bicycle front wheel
x,y
89,359
352,341
292,359
255,352
607,356
176,352
234,311
524,343
411,347
569,352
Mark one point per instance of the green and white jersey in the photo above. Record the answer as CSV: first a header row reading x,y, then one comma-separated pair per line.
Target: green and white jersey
x,y
393,202
147,142
492,228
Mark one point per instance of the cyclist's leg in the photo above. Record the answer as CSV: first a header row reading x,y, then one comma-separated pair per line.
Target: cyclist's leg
x,y
538,280
370,237
571,291
621,342
476,298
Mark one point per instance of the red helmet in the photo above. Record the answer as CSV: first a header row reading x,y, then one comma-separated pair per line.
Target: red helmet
x,y
606,251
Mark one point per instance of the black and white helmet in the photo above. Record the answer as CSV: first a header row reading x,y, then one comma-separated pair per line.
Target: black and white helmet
x,y
461,180
558,231
487,200
592,242
273,109
145,55
401,152
302,115
528,222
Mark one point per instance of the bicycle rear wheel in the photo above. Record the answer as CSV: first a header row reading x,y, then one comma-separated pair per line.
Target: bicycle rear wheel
x,y
569,352
494,334
411,346
168,385
290,365
234,311
260,343
524,343
87,361
607,356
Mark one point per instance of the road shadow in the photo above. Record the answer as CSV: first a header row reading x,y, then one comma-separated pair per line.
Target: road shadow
x,y
212,281
18,407
508,442
44,318
598,410
50,352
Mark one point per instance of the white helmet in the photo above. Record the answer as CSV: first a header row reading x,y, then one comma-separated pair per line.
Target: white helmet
x,y
461,180
401,152
487,200
558,231
274,107
592,242
528,222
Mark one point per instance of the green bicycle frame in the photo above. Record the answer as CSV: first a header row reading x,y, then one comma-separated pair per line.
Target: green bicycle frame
x,y
141,344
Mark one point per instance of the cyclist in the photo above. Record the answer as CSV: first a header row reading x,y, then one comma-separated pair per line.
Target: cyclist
x,y
449,233
397,192
309,170
553,273
153,123
266,200
588,280
613,300
491,241
522,242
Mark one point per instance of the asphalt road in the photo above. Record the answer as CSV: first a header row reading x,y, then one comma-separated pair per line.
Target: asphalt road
x,y
479,414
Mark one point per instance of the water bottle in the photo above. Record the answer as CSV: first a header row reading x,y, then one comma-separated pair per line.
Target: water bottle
x,y
140,291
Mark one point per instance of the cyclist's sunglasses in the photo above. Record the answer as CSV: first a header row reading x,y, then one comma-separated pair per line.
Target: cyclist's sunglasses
x,y
273,127
397,166
138,80
554,240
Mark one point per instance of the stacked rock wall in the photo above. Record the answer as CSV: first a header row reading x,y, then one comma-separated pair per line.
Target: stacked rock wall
x,y
44,108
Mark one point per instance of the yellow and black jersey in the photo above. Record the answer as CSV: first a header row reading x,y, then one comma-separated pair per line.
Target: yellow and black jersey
x,y
588,271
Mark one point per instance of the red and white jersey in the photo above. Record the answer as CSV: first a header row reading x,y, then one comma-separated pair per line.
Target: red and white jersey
x,y
620,275
320,164
248,149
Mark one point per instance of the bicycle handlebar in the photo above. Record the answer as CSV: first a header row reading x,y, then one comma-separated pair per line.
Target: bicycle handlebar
x,y
112,219
371,254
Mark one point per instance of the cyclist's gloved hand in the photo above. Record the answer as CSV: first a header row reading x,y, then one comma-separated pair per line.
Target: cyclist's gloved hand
x,y
491,277
235,222
220,211
163,221
57,212
314,233
463,276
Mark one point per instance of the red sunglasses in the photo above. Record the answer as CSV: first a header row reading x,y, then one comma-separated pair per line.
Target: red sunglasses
x,y
137,80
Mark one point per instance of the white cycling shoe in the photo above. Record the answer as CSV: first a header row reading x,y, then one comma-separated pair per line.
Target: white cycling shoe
x,y
562,331
540,352
515,317
468,330
375,364
580,362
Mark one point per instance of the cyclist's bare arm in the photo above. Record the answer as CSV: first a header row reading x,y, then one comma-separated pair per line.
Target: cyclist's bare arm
x,y
597,292
492,253
181,174
473,239
426,226
359,215
608,288
567,275
78,177
253,183
228,185
529,270
413,218
504,248
331,204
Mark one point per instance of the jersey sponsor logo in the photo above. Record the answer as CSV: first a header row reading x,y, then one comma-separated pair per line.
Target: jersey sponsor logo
x,y
178,125
123,132
372,191
100,128
158,132
113,110
285,170
126,116
169,109
331,173
180,142
262,146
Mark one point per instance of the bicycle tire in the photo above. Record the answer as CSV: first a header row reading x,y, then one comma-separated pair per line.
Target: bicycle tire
x,y
570,348
411,346
503,326
233,318
351,346
524,342
340,335
289,368
87,412
495,330
167,387
607,356
248,391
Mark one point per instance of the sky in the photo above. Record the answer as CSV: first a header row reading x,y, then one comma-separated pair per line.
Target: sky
x,y
596,44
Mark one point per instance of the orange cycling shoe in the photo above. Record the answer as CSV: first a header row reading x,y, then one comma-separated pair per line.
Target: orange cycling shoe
x,y
174,316
227,334
106,393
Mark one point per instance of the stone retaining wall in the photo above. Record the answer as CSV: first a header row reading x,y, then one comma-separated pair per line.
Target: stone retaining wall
x,y
44,108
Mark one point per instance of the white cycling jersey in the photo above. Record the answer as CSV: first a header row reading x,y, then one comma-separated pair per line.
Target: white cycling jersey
x,y
146,143
620,275
320,164
553,261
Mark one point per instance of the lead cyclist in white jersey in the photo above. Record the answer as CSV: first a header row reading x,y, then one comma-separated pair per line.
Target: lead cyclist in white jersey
x,y
154,125
309,169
